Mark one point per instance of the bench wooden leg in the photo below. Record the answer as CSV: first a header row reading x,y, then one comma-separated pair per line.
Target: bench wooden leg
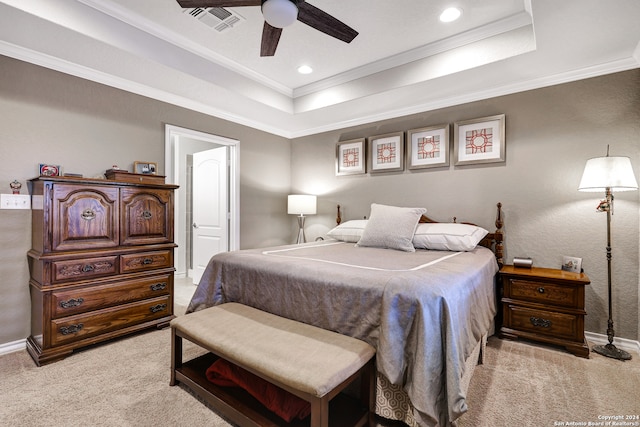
x,y
176,355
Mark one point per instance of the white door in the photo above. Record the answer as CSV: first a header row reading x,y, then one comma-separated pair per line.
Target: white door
x,y
210,208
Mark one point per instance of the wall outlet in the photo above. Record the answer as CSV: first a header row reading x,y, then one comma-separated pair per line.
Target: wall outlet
x,y
15,201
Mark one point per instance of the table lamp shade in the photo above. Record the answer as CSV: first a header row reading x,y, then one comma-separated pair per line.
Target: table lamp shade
x,y
614,173
301,204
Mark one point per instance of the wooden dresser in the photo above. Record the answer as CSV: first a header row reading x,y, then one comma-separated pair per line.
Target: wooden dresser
x,y
546,305
101,263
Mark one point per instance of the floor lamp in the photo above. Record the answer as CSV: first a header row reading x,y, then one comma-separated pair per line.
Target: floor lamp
x,y
301,205
609,174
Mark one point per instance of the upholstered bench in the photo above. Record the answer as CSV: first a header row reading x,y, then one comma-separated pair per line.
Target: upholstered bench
x,y
311,363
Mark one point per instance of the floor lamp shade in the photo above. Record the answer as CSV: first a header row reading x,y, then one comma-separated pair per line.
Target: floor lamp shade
x,y
301,204
608,174
614,173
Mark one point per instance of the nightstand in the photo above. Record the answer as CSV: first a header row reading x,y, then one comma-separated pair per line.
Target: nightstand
x,y
546,305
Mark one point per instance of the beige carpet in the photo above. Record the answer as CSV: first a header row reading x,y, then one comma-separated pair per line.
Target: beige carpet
x,y
126,383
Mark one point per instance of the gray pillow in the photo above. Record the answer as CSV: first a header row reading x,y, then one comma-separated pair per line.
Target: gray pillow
x,y
391,227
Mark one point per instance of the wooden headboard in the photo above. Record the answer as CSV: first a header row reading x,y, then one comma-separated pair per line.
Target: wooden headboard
x,y
493,241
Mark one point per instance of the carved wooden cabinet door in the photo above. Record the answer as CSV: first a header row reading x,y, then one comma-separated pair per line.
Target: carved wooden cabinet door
x,y
84,217
146,216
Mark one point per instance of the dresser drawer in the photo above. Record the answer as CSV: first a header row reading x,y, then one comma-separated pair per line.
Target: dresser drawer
x,y
146,261
73,328
544,293
74,301
86,268
561,325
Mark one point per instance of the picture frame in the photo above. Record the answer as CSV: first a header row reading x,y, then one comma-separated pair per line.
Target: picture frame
x,y
145,168
351,157
572,264
480,141
49,170
386,152
428,147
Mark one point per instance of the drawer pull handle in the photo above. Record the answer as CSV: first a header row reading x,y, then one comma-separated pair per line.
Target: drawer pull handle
x,y
542,323
158,286
146,215
541,290
87,268
158,307
147,261
88,214
73,302
71,329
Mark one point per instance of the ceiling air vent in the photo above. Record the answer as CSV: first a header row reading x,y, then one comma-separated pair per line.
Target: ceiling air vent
x,y
218,18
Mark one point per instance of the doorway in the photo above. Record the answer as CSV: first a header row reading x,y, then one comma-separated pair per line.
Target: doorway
x,y
180,146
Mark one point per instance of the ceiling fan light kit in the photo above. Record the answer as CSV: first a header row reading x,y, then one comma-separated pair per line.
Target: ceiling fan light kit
x,y
279,13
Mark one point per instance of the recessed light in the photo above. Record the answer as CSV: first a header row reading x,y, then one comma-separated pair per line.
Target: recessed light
x,y
305,69
450,14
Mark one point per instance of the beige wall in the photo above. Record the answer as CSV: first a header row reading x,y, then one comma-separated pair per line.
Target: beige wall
x,y
550,133
49,117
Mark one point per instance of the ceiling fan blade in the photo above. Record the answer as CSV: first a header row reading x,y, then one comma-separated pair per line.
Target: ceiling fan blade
x,y
218,3
322,21
270,39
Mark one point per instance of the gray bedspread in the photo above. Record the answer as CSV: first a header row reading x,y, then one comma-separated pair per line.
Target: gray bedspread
x,y
423,312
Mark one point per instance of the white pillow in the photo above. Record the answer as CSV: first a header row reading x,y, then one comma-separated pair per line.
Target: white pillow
x,y
448,236
391,227
349,231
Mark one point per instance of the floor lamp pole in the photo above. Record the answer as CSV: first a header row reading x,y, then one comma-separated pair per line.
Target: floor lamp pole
x,y
610,350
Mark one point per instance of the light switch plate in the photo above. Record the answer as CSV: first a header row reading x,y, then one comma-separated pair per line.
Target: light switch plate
x,y
15,201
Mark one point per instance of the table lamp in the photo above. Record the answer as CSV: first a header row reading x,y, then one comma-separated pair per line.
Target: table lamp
x,y
301,205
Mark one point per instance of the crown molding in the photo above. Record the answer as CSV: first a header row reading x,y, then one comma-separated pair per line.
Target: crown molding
x,y
477,34
70,68
148,26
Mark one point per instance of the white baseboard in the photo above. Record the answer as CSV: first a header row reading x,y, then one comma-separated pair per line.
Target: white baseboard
x,y
622,343
14,346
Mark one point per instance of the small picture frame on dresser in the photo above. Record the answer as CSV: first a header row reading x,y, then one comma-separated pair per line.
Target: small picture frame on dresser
x,y
572,264
147,168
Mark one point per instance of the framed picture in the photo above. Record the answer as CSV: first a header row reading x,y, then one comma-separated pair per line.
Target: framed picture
x,y
350,157
386,152
147,168
479,141
49,170
428,147
573,264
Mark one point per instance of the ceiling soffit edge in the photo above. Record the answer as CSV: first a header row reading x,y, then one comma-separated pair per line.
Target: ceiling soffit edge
x,y
506,25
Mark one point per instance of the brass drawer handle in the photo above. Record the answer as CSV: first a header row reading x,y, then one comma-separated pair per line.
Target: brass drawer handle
x,y
146,215
87,268
539,322
159,286
71,329
147,261
158,307
88,214
541,290
73,302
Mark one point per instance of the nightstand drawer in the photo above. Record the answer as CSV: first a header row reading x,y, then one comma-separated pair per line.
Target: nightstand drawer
x,y
561,325
543,293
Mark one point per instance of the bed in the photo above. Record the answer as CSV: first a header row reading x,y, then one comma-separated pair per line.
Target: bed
x,y
427,312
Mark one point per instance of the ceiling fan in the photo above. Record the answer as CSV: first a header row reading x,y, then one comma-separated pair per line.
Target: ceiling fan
x,y
281,13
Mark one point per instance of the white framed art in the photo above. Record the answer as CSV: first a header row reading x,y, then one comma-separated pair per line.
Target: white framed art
x,y
480,140
386,152
428,147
